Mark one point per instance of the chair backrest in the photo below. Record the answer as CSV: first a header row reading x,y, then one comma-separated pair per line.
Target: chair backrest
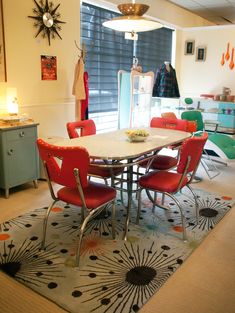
x,y
194,115
86,128
188,101
169,115
193,148
61,161
170,123
192,126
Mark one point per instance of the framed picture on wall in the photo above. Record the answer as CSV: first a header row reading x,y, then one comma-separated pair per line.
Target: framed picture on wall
x,y
48,67
201,53
189,47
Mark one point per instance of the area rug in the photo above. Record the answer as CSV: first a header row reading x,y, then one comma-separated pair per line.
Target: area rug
x,y
114,275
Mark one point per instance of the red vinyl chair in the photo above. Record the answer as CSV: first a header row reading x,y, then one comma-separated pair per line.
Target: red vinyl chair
x,y
81,128
169,183
165,162
68,167
170,123
87,128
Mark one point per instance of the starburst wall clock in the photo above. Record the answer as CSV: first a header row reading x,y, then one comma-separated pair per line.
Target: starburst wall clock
x,y
47,20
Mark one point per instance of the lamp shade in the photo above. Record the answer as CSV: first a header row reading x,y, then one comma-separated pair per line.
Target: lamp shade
x,y
132,20
12,104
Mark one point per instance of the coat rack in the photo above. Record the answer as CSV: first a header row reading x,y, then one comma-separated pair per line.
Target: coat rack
x,y
83,50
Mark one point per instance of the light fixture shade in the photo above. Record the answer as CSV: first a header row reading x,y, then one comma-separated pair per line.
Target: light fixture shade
x,y
133,8
132,20
131,24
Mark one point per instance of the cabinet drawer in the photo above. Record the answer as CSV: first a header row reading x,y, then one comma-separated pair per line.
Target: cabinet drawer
x,y
17,134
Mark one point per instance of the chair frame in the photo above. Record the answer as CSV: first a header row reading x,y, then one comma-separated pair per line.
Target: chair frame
x,y
168,123
153,200
81,125
207,156
171,195
91,212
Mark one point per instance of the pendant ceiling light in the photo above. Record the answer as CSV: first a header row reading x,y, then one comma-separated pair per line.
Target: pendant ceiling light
x,y
132,20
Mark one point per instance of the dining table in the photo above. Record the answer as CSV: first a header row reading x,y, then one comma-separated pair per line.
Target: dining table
x,y
116,150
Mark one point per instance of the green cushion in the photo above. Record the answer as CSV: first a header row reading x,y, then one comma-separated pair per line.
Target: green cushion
x,y
188,100
194,115
225,143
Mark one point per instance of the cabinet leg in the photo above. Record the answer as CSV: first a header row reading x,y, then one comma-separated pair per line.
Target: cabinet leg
x,y
35,183
7,193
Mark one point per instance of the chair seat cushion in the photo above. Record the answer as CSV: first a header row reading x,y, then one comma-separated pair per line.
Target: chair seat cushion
x,y
162,181
161,162
104,172
95,194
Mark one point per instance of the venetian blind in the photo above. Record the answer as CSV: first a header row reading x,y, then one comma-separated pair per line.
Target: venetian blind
x,y
108,52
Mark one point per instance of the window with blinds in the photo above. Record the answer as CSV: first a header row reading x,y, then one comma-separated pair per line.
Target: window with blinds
x,y
108,52
153,48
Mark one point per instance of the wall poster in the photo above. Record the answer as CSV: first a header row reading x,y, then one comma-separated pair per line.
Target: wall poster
x,y
48,67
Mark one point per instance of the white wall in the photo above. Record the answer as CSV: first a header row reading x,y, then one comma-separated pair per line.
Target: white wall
x,y
207,77
46,101
51,102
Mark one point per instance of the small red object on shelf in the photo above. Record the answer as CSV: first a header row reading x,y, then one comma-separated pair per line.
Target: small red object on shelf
x,y
207,96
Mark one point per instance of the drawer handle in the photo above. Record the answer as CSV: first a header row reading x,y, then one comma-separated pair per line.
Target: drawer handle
x,y
10,152
21,134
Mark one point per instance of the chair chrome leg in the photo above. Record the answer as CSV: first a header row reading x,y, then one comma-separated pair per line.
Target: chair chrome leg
x,y
129,195
181,214
207,170
80,238
139,206
121,189
154,201
82,213
196,203
45,224
113,220
35,183
149,195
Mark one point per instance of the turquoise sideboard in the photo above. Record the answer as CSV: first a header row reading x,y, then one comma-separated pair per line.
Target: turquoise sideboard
x,y
134,98
19,161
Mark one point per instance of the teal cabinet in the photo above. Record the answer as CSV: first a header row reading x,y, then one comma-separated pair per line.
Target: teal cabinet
x,y
221,112
18,156
134,98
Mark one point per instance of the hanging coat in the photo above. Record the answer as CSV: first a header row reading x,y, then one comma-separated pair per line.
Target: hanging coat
x,y
166,84
78,83
84,102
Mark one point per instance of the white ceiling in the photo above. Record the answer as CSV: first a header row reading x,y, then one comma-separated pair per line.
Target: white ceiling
x,y
220,12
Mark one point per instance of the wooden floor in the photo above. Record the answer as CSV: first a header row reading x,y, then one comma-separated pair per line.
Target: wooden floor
x,y
205,283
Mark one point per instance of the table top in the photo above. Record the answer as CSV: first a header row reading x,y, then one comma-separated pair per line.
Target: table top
x,y
16,125
116,146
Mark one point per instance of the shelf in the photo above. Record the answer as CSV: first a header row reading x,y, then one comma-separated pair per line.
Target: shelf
x,y
219,113
142,93
222,130
134,98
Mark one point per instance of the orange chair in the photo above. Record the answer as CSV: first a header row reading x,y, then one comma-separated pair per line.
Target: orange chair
x,y
169,115
71,173
169,183
87,128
